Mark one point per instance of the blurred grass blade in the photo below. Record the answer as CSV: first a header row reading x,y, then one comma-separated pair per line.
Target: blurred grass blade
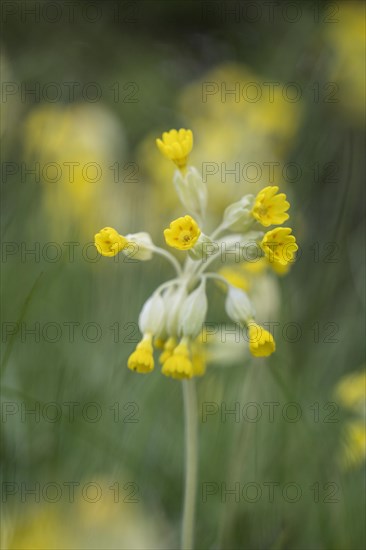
x,y
23,311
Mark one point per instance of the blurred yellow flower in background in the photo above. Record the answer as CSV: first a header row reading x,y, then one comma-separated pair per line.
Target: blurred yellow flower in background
x,y
351,390
354,451
347,40
351,394
235,277
199,355
76,147
238,138
109,522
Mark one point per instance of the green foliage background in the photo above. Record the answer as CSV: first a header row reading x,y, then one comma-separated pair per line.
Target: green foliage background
x,y
164,47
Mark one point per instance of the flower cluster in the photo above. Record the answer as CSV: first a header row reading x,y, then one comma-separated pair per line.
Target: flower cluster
x,y
172,319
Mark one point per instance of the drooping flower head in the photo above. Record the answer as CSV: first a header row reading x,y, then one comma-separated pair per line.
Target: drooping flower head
x,y
174,315
261,342
142,359
179,364
108,242
168,349
269,207
279,245
138,246
176,146
182,233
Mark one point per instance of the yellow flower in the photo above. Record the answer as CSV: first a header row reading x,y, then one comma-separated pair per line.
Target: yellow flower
x,y
142,360
261,342
279,245
108,242
280,269
255,267
354,449
199,356
234,277
176,146
182,233
168,349
351,390
270,208
179,364
159,343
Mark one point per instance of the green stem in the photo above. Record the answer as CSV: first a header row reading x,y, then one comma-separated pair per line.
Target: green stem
x,y
191,456
217,277
217,231
165,254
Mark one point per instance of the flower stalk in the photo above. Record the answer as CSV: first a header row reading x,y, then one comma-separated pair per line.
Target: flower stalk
x,y
172,319
191,461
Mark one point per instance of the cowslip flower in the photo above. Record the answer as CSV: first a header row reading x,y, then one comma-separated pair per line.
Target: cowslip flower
x,y
172,318
142,359
109,242
176,146
279,245
179,364
182,233
269,207
168,349
261,342
150,322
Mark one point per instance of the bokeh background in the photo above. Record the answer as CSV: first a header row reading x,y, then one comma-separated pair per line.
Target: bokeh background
x,y
87,87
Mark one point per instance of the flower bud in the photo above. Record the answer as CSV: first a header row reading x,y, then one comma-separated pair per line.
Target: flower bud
x,y
140,246
238,306
193,312
173,301
151,318
238,215
192,191
199,250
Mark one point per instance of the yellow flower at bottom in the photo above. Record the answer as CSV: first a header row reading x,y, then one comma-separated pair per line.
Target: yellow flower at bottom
x,y
108,242
159,343
279,245
261,342
270,208
179,365
182,233
176,145
142,359
168,349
